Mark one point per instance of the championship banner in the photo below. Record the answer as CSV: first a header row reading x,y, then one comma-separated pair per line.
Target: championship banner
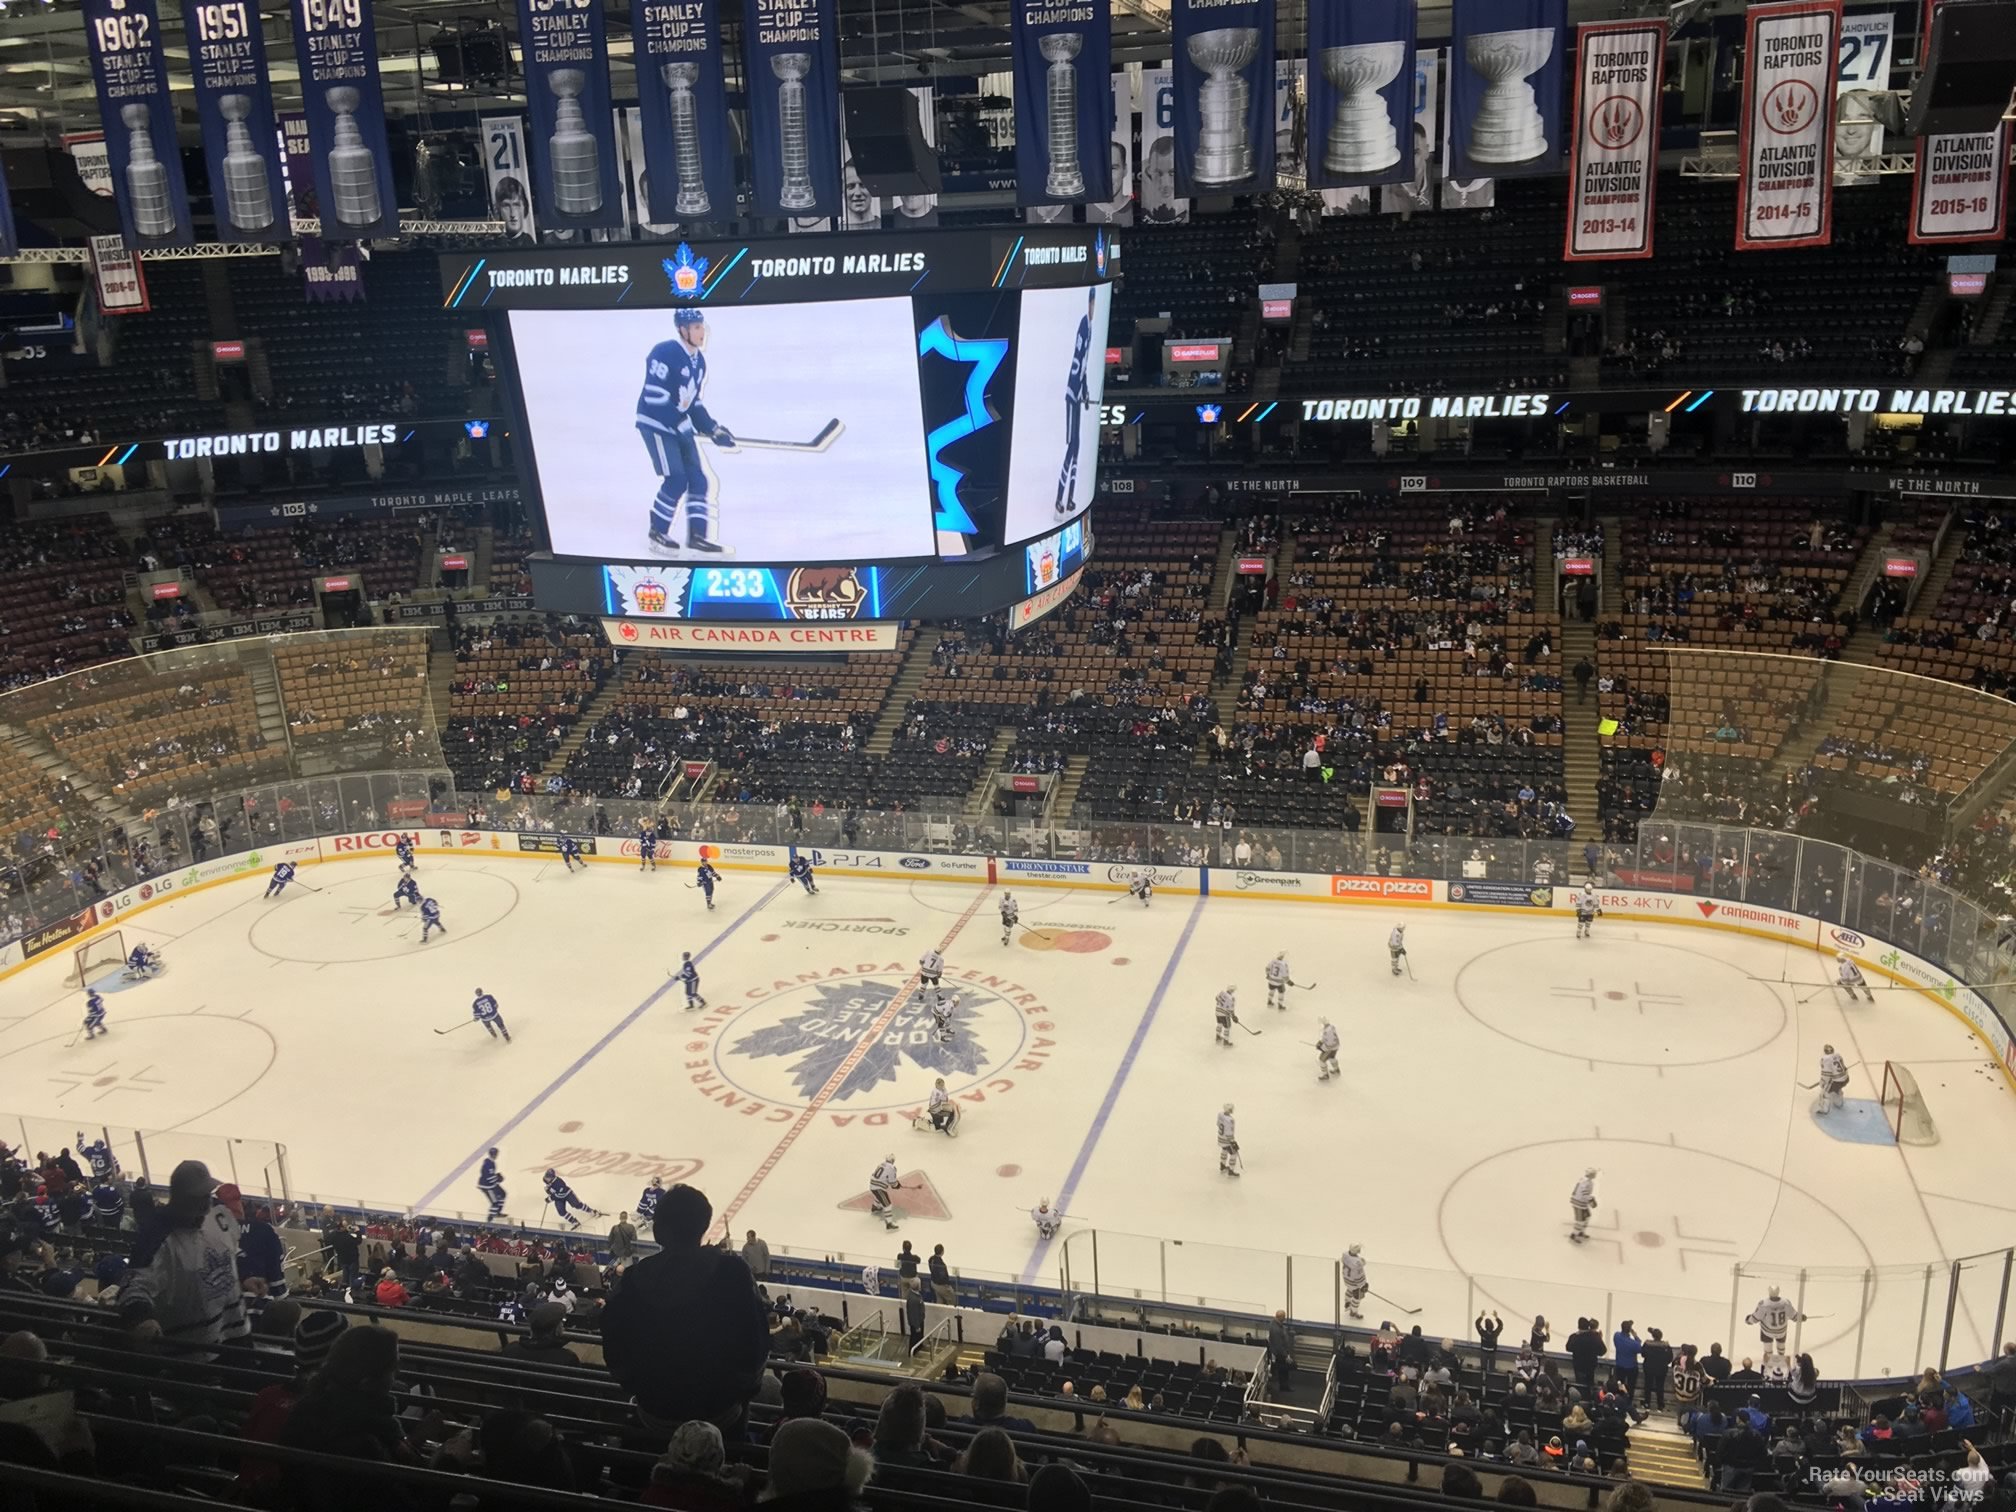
x,y
1507,66
332,275
234,108
565,50
1063,57
122,287
1361,109
139,116
1160,203
791,61
350,165
10,243
682,111
510,176
1417,190
1290,123
1614,148
1224,116
1785,197
1960,191
1861,72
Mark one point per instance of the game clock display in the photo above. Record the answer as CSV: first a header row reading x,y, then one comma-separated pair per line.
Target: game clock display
x,y
742,593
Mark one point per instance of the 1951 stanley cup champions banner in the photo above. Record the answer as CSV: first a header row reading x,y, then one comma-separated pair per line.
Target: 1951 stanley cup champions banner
x,y
234,105
139,117
1614,142
1361,82
1224,100
1960,191
1785,197
791,58
336,43
1063,53
683,109
1507,79
575,180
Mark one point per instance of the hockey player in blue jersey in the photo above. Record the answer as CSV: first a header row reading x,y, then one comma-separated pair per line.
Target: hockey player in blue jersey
x,y
562,1197
647,847
1077,399
98,1155
144,963
689,978
570,853
430,919
485,1009
705,878
490,1181
408,891
647,1203
282,875
94,1016
671,419
403,849
801,873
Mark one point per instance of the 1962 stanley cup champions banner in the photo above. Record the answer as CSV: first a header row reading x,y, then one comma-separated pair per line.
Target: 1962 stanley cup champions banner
x,y
1960,191
1063,101
1224,98
1785,197
1614,148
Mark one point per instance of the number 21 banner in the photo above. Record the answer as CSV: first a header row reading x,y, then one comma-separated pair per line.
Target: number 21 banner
x,y
337,47
1960,192
1614,151
1785,197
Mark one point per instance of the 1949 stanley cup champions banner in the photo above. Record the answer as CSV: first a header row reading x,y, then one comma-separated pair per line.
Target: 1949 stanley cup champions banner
x,y
1063,52
139,117
683,109
791,57
1960,191
1507,67
1614,145
1224,100
1361,82
575,180
234,105
1785,197
351,166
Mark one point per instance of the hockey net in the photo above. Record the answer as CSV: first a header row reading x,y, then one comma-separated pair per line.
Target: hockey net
x,y
98,958
1904,1110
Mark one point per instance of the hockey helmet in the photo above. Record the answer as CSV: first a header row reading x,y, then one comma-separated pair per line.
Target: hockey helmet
x,y
1357,1249
1826,1049
688,318
549,1173
1840,955
1590,1172
1228,1107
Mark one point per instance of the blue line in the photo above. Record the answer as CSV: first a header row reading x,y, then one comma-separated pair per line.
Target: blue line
x,y
1036,1256
1701,401
1266,412
127,454
434,1192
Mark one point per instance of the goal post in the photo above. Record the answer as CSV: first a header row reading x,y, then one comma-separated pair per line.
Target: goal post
x,y
1904,1110
96,959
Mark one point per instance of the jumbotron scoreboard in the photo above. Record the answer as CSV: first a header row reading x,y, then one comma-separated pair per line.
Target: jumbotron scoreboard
x,y
826,432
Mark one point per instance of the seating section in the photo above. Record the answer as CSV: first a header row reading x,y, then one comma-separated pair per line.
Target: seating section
x,y
153,732
516,691
62,599
276,567
1965,636
362,694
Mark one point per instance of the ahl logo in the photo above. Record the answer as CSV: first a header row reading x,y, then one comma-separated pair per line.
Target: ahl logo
x,y
1848,938
825,593
685,271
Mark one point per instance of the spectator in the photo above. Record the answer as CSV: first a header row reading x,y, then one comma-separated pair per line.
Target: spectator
x,y
1517,1491
1742,1455
546,1344
347,1410
1460,1481
622,1240
1627,1344
990,1455
1585,1348
1631,1496
1689,1381
1054,1347
814,1468
802,1393
685,1332
1488,1326
943,1292
1655,1361
528,1450
899,1430
990,1405
391,1291
756,1255
1715,1365
1059,1488
690,1474
906,1271
182,1290
1281,1350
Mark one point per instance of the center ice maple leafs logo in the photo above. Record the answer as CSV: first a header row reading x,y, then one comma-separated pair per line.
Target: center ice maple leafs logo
x,y
827,1030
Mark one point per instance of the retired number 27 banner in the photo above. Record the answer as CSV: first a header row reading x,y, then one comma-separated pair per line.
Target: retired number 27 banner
x,y
1615,146
1785,197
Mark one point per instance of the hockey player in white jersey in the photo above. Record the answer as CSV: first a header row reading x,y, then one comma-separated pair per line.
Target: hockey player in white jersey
x,y
1326,1053
1773,1317
1278,981
1586,912
1011,915
1142,886
943,1006
1046,1218
930,969
1228,1143
1396,947
1848,977
1833,1080
1582,1202
1355,1284
884,1181
1227,1013
941,1114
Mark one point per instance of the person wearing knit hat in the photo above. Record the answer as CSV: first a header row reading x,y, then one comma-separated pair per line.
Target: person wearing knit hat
x,y
693,1475
813,1464
314,1336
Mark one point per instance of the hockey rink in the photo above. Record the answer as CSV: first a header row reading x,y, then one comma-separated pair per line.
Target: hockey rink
x,y
1473,1093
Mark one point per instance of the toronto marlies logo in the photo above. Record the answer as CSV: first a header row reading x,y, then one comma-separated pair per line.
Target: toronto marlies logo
x,y
685,271
825,1033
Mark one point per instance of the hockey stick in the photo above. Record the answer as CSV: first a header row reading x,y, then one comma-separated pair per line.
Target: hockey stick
x,y
463,1025
828,434
1410,1311
1409,960
1255,1032
1121,899
1305,986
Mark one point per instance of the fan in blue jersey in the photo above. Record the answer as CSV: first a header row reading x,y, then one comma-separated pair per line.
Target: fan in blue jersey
x,y
801,873
671,419
430,919
570,852
403,849
94,1016
562,1197
485,1009
108,1203
282,875
99,1155
144,963
647,847
647,1203
490,1181
408,891
1077,399
705,878
689,978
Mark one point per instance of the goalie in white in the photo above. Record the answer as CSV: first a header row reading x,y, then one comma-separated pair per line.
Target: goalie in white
x,y
1848,977
1833,1080
1046,1218
1228,1143
1774,1316
1326,1053
1582,1202
1355,1284
1227,1013
941,1114
1279,980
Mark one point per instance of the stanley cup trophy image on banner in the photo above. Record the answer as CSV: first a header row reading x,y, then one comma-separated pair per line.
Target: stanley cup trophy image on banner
x,y
138,114
1506,70
1224,97
1360,83
1064,178
234,108
692,201
794,157
1063,102
576,184
350,162
1362,137
682,112
791,69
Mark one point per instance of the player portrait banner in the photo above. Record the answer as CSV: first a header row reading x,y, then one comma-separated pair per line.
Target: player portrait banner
x,y
1785,197
1063,53
234,108
139,117
1119,210
1417,190
791,60
1361,101
1861,75
350,165
649,216
509,171
1224,105
1614,142
682,110
10,242
1160,202
1960,190
575,181
916,211
1507,75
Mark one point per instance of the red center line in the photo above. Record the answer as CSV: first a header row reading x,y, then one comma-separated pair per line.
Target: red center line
x,y
845,1069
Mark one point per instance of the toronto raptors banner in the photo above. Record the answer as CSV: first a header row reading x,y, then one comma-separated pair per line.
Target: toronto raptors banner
x,y
1361,99
1063,52
234,106
791,61
350,165
683,109
575,181
1507,79
1224,100
139,117
1960,191
1614,145
1785,197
